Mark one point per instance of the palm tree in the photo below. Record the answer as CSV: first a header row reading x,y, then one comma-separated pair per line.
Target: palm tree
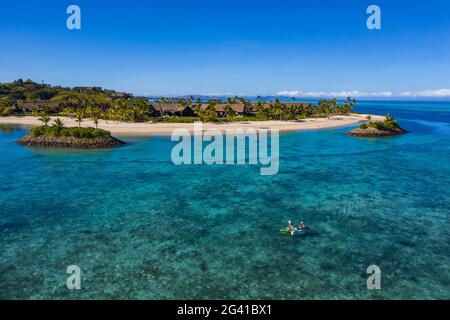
x,y
324,107
95,114
45,119
181,103
349,105
79,116
95,121
276,109
262,110
208,114
58,124
227,110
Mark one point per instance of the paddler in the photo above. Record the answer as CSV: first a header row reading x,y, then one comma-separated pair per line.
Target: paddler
x,y
302,226
291,226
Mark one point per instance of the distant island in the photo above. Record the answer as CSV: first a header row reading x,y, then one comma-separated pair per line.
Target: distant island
x,y
388,127
75,137
31,98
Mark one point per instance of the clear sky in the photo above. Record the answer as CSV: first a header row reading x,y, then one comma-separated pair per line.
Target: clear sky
x,y
249,47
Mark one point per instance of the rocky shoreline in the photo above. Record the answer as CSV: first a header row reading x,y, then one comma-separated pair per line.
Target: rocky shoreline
x,y
70,142
374,132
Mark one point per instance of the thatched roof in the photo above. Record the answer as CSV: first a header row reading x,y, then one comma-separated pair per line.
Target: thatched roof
x,y
237,107
168,107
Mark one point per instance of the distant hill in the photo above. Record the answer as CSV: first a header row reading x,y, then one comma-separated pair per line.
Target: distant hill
x,y
20,92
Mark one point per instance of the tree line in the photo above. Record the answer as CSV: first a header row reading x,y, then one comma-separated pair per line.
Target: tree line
x,y
101,104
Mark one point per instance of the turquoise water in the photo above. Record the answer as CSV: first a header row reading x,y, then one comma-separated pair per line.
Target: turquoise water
x,y
141,228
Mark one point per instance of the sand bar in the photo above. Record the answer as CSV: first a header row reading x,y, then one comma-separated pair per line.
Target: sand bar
x,y
159,128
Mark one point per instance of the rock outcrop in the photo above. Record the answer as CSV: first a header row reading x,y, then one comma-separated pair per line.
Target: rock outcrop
x,y
374,132
70,142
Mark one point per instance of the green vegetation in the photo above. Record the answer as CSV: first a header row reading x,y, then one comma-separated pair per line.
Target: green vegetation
x,y
387,125
78,103
290,111
176,119
209,114
57,135
27,97
58,130
6,111
6,108
44,119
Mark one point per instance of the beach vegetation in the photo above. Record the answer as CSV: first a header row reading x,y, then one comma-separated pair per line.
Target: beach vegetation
x,y
95,103
61,131
58,125
6,111
388,124
45,119
209,114
95,114
6,108
78,114
388,127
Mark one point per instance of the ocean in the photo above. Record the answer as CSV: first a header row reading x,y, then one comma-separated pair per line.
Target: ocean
x,y
140,227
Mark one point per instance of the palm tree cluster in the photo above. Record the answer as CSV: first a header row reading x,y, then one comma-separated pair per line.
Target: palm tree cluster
x,y
129,110
278,110
332,107
5,108
100,107
96,108
208,114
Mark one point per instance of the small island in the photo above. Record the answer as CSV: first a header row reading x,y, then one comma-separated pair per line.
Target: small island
x,y
388,127
75,137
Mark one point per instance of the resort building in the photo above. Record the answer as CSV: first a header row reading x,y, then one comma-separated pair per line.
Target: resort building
x,y
222,109
40,106
172,110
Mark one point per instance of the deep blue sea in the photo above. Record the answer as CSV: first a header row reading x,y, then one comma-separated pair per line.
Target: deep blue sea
x,y
140,227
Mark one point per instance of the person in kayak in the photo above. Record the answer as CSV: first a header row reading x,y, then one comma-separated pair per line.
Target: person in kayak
x,y
290,226
302,226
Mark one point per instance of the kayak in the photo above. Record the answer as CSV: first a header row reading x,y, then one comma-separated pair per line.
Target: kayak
x,y
285,230
296,231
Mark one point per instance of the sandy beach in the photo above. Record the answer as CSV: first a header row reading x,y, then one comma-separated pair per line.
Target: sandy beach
x,y
158,128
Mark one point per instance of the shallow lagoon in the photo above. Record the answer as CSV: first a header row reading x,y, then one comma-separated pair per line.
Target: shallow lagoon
x,y
141,228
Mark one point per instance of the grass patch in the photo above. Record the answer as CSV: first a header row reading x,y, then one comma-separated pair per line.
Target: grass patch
x,y
75,132
387,125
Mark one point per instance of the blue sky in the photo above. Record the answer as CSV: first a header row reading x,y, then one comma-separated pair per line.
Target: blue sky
x,y
248,47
